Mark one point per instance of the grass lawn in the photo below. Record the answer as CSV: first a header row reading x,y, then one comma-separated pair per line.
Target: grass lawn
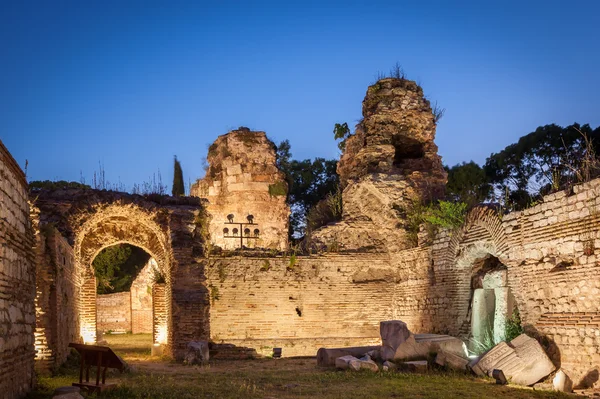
x,y
274,379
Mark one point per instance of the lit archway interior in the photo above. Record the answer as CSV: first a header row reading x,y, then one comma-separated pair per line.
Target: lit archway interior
x,y
122,225
492,302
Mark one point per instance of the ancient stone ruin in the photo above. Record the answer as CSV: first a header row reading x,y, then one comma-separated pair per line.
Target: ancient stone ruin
x,y
540,261
388,165
243,181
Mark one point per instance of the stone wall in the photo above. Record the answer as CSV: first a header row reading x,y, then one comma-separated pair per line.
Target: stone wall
x,y
243,179
389,164
550,252
57,299
17,282
114,312
129,311
167,228
317,301
141,299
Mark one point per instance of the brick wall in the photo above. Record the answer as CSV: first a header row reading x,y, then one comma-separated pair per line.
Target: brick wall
x,y
319,301
141,299
57,299
17,282
550,250
114,312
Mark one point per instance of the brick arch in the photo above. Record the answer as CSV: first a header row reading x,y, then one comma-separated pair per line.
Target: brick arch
x,y
108,226
481,235
116,224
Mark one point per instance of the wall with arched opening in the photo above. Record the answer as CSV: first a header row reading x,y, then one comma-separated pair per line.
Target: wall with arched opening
x,y
87,221
552,276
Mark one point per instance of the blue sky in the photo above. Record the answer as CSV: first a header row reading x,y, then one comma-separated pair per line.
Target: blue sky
x,y
130,84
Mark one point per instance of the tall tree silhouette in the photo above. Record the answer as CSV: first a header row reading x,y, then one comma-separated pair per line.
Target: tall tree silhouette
x,y
178,187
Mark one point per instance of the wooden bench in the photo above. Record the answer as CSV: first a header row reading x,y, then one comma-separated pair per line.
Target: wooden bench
x,y
103,358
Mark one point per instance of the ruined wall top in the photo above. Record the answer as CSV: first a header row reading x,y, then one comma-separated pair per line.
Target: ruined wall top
x,y
243,179
396,136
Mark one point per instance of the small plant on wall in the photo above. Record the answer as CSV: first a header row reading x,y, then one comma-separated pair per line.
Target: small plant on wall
x,y
513,328
214,293
293,263
266,266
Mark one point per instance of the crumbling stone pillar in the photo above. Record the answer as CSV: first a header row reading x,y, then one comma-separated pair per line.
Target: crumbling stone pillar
x,y
389,166
87,310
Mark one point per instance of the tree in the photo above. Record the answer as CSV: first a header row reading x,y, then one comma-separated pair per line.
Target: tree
x,y
178,186
309,181
468,183
116,267
341,132
546,160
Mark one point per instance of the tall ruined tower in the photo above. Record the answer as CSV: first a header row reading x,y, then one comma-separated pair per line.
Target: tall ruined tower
x,y
389,165
243,180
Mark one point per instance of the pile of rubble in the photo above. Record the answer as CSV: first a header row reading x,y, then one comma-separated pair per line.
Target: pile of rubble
x,y
522,361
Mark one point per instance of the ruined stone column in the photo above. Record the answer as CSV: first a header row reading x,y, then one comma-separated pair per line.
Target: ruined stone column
x,y
242,180
388,167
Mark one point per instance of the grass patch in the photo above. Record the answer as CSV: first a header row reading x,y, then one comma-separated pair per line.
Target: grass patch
x,y
277,378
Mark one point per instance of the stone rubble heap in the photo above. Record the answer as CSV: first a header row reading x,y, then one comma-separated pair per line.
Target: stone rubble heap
x,y
522,360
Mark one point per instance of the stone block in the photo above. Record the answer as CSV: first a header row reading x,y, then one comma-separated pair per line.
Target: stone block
x,y
343,362
419,346
197,352
562,382
523,361
389,366
451,360
326,357
415,366
393,334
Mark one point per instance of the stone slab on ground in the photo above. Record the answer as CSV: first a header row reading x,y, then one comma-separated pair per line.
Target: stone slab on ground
x,y
415,366
343,362
326,356
523,361
562,382
389,366
419,346
197,352
393,334
452,361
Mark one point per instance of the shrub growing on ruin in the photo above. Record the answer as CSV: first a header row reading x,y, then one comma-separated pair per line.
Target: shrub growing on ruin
x,y
326,211
513,328
278,189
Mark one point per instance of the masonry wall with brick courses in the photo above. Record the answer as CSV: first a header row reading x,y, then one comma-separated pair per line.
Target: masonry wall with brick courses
x,y
550,251
168,228
114,312
318,301
57,299
141,299
17,282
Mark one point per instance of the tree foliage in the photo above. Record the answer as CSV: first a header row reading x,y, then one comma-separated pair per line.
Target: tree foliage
x,y
116,267
468,183
341,132
309,181
178,185
549,159
54,185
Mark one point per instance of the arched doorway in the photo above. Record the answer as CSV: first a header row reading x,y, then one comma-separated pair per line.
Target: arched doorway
x,y
120,226
125,275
